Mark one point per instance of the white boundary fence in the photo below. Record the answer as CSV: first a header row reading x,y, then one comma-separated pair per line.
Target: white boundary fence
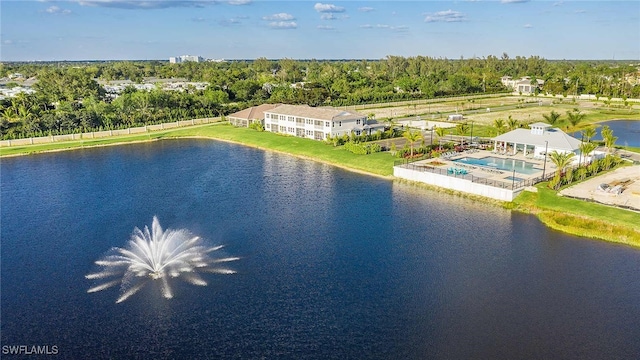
x,y
105,133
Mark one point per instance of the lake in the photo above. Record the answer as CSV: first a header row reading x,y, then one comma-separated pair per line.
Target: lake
x,y
334,265
627,131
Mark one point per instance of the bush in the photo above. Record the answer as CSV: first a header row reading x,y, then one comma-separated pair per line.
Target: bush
x,y
362,149
256,126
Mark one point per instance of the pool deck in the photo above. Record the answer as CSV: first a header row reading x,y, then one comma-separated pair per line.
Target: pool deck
x,y
479,180
489,172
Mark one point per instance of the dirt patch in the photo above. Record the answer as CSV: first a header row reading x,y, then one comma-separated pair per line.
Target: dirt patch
x,y
628,180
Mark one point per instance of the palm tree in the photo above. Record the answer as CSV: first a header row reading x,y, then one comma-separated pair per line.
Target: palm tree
x,y
499,125
440,131
586,148
391,124
575,117
412,137
561,160
589,133
512,123
609,139
552,117
462,128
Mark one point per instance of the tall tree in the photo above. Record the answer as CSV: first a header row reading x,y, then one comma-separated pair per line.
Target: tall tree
x,y
561,161
609,139
499,125
589,133
575,117
412,137
552,117
440,131
586,148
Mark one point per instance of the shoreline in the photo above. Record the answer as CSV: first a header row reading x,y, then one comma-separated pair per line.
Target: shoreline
x,y
344,167
631,235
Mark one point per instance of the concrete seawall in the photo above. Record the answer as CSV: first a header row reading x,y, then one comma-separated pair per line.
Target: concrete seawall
x,y
455,183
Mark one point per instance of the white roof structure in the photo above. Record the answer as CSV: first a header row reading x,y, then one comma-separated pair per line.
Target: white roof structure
x,y
541,135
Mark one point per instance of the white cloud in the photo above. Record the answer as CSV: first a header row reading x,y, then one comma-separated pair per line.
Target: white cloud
x,y
558,3
147,4
283,25
513,1
279,17
399,28
239,2
328,8
229,22
57,10
580,11
528,26
445,16
325,27
365,9
328,16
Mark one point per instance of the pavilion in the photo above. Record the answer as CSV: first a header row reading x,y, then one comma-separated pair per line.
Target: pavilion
x,y
535,142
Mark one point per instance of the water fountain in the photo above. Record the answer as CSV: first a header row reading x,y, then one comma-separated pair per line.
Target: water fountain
x,y
157,255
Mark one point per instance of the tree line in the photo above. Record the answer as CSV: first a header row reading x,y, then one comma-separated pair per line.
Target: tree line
x,y
69,97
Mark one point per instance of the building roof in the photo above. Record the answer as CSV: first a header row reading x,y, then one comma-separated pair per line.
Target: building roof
x,y
539,125
254,112
316,112
557,139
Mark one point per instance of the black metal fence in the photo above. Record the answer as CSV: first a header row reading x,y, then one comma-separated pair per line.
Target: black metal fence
x,y
513,184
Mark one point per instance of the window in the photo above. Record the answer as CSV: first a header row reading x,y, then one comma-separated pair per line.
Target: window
x,y
283,118
326,124
358,121
267,126
291,118
340,123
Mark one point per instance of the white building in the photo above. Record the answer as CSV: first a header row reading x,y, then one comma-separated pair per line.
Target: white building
x,y
250,115
523,85
317,123
541,138
185,58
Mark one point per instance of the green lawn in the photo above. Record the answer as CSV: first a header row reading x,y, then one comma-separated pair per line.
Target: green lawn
x,y
580,217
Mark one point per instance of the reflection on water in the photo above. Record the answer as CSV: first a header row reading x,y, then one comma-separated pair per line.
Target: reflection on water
x,y
335,264
627,131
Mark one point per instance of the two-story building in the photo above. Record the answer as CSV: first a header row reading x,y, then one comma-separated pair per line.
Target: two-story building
x,y
317,123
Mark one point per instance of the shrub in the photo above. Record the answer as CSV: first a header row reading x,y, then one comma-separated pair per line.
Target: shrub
x,y
256,126
362,149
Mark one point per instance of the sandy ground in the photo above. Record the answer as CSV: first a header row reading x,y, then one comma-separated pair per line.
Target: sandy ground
x,y
630,196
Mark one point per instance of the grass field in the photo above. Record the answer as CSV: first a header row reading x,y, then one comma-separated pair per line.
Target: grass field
x,y
580,217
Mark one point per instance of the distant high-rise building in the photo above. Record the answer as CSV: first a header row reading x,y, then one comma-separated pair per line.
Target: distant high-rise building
x,y
185,58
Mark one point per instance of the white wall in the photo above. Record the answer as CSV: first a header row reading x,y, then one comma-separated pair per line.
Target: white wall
x,y
455,183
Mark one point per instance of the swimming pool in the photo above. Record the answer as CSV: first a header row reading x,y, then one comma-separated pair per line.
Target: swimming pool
x,y
519,166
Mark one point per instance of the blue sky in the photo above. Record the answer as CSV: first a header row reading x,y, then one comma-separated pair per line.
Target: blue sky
x,y
248,29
